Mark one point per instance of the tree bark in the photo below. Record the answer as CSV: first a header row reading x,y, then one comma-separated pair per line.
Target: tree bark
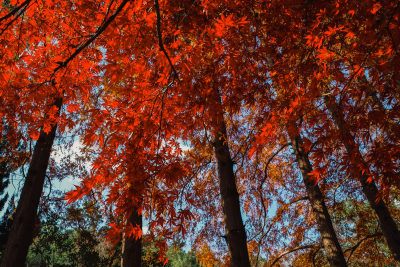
x,y
235,233
132,247
21,234
330,241
369,188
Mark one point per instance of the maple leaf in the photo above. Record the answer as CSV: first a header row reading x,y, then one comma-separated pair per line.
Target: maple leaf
x,y
350,35
325,54
223,24
35,135
316,174
124,89
74,195
251,151
113,234
72,108
376,7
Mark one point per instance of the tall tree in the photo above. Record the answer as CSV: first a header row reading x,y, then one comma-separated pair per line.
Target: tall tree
x,y
330,241
132,245
21,234
22,230
235,233
361,170
147,70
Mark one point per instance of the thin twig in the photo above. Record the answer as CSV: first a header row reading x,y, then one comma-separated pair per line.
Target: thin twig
x,y
353,248
261,239
291,251
336,188
297,200
269,161
314,254
265,178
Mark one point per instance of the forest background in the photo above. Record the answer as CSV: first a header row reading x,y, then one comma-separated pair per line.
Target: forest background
x,y
239,133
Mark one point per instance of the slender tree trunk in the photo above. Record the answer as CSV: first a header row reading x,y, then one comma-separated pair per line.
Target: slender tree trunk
x,y
330,241
21,234
132,247
235,233
386,221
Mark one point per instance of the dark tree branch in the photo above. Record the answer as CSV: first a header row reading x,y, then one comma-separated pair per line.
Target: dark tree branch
x,y
15,10
160,39
107,12
99,31
261,239
13,20
314,254
291,251
337,187
312,147
353,248
265,178
269,161
298,200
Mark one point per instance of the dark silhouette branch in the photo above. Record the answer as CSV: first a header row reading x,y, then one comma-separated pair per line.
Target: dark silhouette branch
x,y
353,248
261,195
15,10
265,175
291,251
314,254
297,200
14,19
160,39
337,187
270,160
99,31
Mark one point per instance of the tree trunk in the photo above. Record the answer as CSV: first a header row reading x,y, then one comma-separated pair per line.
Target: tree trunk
x,y
132,247
235,233
21,234
330,241
386,221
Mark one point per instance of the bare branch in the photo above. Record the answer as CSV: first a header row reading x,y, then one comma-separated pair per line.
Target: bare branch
x,y
337,187
314,254
298,200
262,183
270,160
353,248
291,251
